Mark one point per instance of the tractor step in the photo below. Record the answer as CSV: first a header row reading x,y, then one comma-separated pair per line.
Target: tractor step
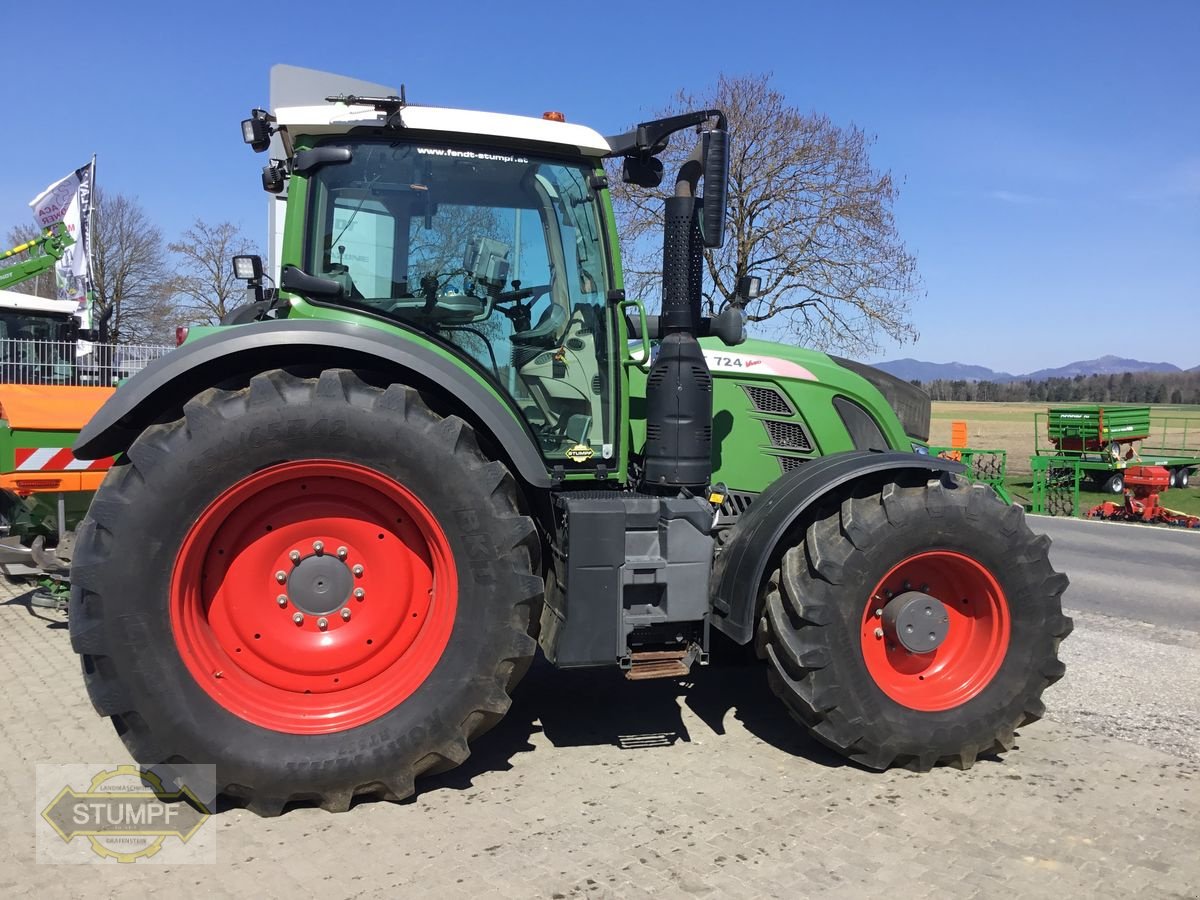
x,y
647,664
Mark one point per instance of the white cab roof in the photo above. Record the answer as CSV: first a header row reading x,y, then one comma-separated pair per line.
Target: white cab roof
x,y
337,118
30,303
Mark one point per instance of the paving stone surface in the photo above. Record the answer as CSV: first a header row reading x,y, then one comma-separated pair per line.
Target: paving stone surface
x,y
595,787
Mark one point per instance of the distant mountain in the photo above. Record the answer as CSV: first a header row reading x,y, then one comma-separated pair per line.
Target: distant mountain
x,y
1105,365
914,369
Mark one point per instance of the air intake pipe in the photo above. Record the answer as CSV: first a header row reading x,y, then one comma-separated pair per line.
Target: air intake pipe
x,y
679,386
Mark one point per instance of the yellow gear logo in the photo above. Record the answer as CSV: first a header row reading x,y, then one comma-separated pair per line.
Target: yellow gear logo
x,y
126,814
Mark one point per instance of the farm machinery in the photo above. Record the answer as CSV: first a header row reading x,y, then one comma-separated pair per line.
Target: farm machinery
x,y
1107,440
335,537
1143,487
53,378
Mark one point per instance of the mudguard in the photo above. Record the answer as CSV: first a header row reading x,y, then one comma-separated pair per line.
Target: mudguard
x,y
236,352
739,570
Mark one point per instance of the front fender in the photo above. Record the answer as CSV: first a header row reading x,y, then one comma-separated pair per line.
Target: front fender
x,y
238,352
739,571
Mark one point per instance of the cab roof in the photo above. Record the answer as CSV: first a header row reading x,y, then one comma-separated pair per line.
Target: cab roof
x,y
338,118
30,303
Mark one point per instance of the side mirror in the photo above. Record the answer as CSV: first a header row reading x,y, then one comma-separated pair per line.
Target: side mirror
x,y
645,172
296,281
716,184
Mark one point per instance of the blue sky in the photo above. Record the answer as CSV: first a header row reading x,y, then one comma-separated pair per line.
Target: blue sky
x,y
1049,153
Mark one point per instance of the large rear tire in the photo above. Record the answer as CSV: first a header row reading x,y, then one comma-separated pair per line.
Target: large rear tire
x,y
321,587
956,557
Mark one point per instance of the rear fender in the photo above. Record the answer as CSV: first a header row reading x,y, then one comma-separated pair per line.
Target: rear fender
x,y
741,568
231,357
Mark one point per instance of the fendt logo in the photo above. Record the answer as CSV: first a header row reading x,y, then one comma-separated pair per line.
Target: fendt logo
x,y
124,814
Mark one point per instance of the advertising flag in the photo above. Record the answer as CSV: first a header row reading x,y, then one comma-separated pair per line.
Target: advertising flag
x,y
69,201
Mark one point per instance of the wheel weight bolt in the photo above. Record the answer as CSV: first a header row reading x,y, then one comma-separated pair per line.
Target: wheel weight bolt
x,y
346,614
281,577
294,556
359,593
318,547
343,552
281,600
878,632
357,570
298,618
322,623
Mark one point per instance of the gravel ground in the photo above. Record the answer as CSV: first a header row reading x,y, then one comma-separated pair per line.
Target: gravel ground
x,y
1132,681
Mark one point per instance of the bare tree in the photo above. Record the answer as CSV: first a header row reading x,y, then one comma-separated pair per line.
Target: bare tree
x,y
205,284
807,213
131,282
43,284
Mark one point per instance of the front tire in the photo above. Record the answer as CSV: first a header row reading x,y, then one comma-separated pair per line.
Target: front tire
x,y
320,586
843,671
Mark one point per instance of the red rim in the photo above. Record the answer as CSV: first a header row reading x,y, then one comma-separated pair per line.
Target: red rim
x,y
287,543
976,640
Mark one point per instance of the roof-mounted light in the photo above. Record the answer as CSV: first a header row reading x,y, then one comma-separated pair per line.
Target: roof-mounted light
x,y
256,130
554,116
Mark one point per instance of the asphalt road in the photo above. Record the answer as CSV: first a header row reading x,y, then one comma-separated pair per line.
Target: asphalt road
x,y
1140,572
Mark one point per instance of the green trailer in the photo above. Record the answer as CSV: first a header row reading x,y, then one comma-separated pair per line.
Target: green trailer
x,y
1099,442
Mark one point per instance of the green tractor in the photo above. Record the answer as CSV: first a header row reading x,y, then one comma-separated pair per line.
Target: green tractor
x,y
336,536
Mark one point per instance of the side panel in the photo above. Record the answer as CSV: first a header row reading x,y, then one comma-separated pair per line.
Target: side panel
x,y
739,571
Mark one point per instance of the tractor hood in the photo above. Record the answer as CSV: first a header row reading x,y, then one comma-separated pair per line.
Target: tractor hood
x,y
873,388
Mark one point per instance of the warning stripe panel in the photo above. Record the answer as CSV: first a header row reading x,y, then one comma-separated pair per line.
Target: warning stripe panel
x,y
55,459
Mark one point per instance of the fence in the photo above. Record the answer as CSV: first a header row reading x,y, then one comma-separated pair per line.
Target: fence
x,y
989,466
66,362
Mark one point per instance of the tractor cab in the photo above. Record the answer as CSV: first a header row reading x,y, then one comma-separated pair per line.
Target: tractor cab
x,y
37,339
498,256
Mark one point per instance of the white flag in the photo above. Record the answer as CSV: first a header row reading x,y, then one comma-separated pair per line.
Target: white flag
x,y
70,201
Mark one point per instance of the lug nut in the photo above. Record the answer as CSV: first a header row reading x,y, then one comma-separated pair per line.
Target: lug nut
x,y
357,570
878,613
294,556
343,552
281,576
346,614
281,599
318,547
298,618
359,593
878,632
322,623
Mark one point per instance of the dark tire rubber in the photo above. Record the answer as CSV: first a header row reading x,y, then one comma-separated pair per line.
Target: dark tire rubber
x,y
1182,478
127,546
815,601
1114,484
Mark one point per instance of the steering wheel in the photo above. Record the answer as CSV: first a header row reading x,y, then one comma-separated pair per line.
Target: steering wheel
x,y
519,294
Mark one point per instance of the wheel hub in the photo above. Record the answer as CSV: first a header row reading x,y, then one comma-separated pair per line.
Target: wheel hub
x,y
916,621
319,585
